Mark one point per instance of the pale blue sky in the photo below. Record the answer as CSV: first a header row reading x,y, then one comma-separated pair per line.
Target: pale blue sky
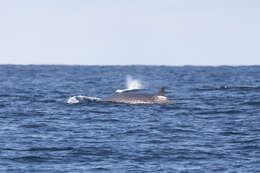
x,y
119,32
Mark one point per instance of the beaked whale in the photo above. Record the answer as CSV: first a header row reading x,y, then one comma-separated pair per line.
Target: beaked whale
x,y
159,97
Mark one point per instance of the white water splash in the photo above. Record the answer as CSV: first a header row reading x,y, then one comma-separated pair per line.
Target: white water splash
x,y
131,84
79,99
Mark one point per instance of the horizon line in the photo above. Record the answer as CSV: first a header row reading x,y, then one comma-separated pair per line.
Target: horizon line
x,y
180,65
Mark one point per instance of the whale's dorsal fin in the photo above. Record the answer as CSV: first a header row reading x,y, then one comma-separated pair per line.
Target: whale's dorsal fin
x,y
161,92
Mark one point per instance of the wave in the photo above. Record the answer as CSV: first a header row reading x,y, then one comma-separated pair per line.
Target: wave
x,y
80,99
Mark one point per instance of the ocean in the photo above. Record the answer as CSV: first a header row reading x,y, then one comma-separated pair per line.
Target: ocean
x,y
211,125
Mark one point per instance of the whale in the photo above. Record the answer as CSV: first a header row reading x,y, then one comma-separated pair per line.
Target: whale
x,y
137,98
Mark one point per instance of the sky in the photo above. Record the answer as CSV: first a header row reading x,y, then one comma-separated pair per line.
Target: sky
x,y
129,32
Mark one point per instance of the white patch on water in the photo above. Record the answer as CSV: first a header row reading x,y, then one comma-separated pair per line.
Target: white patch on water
x,y
131,84
79,99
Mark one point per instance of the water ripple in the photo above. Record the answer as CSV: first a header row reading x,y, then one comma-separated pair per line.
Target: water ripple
x,y
211,125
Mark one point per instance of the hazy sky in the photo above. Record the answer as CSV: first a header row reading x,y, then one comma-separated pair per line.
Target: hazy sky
x,y
158,32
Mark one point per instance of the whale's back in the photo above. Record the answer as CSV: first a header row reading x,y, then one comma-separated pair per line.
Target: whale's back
x,y
130,98
136,98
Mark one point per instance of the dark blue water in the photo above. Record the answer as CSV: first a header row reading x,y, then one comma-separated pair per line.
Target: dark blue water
x,y
212,124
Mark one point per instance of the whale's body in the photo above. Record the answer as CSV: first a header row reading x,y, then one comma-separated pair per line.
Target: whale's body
x,y
138,98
